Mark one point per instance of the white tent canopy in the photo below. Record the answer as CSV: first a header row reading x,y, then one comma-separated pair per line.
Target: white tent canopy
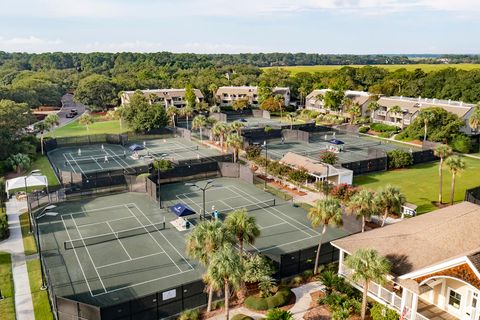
x,y
30,181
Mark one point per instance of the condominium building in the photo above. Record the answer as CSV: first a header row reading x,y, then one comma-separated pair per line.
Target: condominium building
x,y
314,101
435,259
167,97
401,111
227,95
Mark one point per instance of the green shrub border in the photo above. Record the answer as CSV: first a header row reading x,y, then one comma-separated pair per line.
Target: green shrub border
x,y
279,299
241,316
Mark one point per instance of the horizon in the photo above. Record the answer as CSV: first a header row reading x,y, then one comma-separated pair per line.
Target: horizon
x,y
356,27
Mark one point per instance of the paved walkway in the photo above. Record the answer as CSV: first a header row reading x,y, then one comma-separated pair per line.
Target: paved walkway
x,y
302,303
14,245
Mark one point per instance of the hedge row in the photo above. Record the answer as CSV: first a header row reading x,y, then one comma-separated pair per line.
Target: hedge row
x,y
4,231
279,299
241,317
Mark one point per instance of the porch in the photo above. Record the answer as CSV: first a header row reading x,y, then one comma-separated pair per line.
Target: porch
x,y
429,311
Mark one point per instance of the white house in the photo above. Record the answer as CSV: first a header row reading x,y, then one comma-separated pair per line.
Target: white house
x,y
435,261
228,94
167,97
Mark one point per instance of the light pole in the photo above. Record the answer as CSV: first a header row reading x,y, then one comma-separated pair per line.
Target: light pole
x,y
265,145
162,157
207,186
44,213
32,173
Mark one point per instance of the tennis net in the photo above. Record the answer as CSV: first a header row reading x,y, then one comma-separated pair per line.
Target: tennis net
x,y
170,151
94,159
88,241
255,206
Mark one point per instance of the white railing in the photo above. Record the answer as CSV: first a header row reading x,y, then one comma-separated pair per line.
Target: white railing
x,y
377,292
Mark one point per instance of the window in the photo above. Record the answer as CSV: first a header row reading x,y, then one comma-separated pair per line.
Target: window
x,y
454,299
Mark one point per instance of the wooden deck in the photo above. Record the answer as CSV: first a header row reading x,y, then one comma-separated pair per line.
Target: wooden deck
x,y
432,312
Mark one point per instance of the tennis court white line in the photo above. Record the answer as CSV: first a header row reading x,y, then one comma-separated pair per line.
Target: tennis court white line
x,y
100,209
272,225
275,209
95,223
98,164
143,282
78,260
159,232
116,236
88,252
153,238
133,259
114,157
108,155
76,163
191,202
211,189
68,162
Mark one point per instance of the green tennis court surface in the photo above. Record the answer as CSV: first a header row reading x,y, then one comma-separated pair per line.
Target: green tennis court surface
x,y
115,248
107,157
356,148
254,122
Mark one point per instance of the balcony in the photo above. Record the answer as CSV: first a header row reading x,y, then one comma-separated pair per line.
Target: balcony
x,y
382,113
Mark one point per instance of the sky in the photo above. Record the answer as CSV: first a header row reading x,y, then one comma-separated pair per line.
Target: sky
x,y
240,26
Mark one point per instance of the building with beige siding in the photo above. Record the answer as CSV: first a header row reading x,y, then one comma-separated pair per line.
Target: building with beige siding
x,y
167,97
228,94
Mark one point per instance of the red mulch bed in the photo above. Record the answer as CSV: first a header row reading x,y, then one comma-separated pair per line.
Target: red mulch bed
x,y
281,186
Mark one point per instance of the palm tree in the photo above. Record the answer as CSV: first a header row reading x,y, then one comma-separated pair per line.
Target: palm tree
x,y
199,122
226,267
456,165
355,111
302,91
220,129
41,127
363,204
207,238
367,265
427,117
291,117
152,98
396,109
442,151
172,112
326,212
281,101
237,126
86,120
187,112
474,120
243,227
372,107
213,89
215,109
389,198
234,141
52,120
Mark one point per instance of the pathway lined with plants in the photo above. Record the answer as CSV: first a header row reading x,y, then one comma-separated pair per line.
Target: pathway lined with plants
x,y
303,300
14,245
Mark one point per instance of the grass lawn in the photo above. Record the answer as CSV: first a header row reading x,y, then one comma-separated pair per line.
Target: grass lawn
x,y
420,182
44,166
29,244
392,67
7,305
75,129
41,304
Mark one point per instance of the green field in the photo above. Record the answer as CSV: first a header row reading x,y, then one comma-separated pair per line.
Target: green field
x,y
7,305
392,67
76,129
41,304
420,183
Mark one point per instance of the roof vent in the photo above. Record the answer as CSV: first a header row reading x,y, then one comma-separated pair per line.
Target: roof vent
x,y
449,101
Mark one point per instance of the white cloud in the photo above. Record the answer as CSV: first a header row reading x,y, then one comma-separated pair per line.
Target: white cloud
x,y
149,9
133,46
203,47
29,44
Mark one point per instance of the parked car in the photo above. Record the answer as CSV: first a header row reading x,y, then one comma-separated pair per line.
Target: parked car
x,y
72,113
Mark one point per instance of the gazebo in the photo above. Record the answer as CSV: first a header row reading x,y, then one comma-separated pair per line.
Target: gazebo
x,y
25,182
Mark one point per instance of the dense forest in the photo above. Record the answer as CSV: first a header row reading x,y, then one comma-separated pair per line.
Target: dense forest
x,y
41,79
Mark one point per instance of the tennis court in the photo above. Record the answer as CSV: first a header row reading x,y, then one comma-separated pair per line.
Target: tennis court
x,y
355,147
283,227
115,248
87,159
254,122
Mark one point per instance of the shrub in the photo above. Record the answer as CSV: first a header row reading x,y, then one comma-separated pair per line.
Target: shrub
x,y
241,316
253,151
328,157
279,314
381,312
399,159
385,135
299,176
190,315
296,281
4,231
261,161
362,120
218,304
364,129
279,299
324,186
307,274
381,127
461,143
343,191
